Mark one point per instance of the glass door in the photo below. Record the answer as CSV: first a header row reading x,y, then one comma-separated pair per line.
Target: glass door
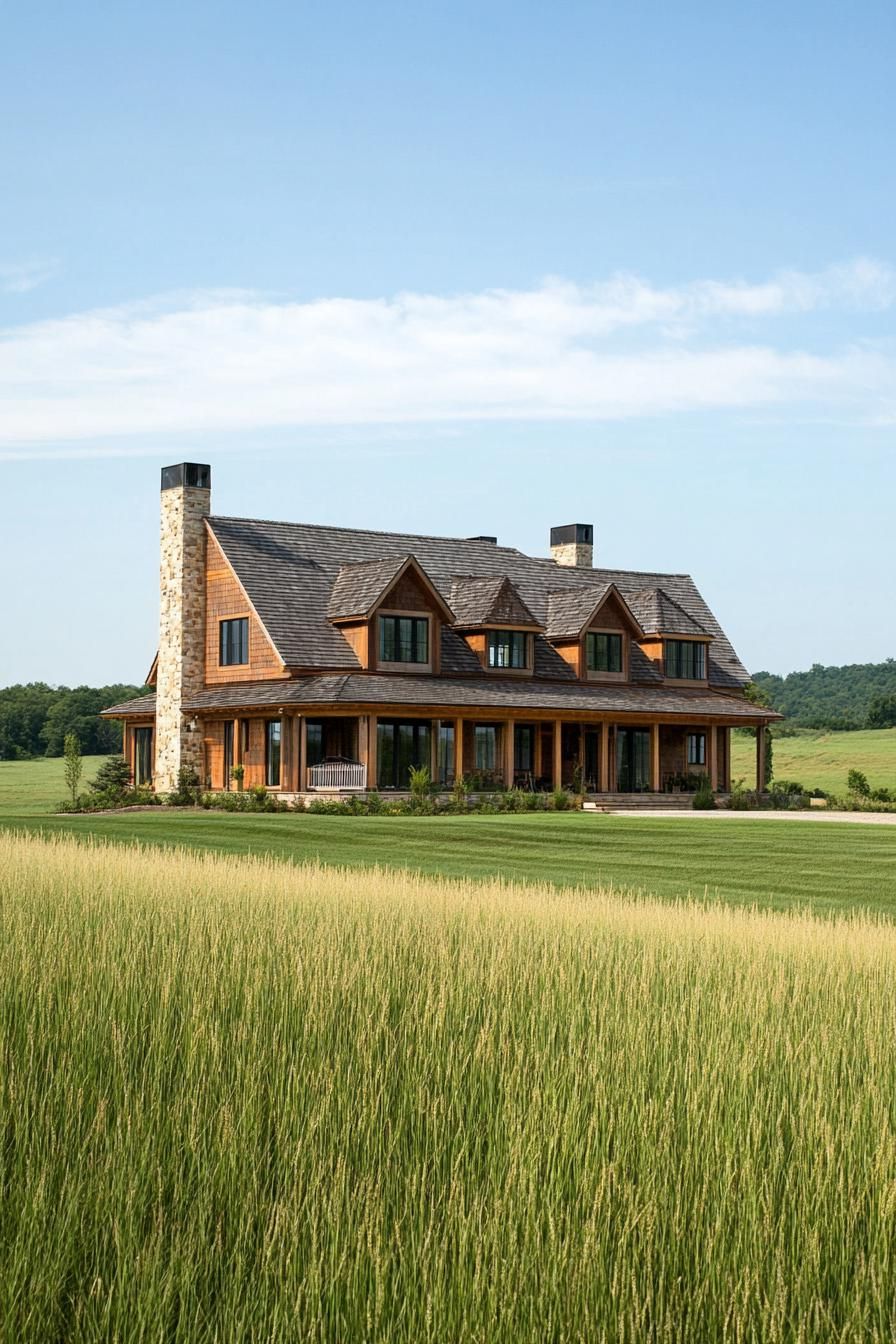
x,y
400,747
592,760
632,760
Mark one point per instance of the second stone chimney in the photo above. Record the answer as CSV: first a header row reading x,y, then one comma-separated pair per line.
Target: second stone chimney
x,y
573,545
186,502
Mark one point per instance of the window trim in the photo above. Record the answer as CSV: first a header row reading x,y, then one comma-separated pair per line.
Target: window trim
x,y
701,645
595,674
390,665
268,725
491,638
229,621
699,755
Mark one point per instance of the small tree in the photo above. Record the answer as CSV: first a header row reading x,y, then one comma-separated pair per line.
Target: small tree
x,y
857,783
113,776
74,765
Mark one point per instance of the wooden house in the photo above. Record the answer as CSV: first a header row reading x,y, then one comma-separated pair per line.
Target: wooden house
x,y
328,658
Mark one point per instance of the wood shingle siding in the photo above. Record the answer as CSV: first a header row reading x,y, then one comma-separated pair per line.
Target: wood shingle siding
x,y
226,600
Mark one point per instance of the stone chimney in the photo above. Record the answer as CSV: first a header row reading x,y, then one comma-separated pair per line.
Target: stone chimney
x,y
186,502
573,545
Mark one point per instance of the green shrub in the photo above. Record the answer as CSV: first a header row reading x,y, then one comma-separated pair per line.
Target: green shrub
x,y
704,798
113,776
560,800
857,783
188,790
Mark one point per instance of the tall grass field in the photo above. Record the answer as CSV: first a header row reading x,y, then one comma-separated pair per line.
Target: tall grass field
x,y
242,1100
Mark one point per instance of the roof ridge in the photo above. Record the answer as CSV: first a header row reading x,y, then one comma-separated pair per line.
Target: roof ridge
x,y
367,532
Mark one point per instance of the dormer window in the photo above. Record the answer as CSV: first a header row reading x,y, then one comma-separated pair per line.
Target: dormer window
x,y
685,660
603,652
508,648
404,639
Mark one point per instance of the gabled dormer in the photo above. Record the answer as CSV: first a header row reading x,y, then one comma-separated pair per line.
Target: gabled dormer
x,y
592,629
391,614
495,622
676,643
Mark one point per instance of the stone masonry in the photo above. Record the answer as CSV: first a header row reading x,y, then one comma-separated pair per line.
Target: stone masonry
x,y
181,669
576,554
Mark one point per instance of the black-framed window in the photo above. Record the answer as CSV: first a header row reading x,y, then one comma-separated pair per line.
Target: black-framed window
x,y
508,648
685,660
233,647
603,653
523,748
314,742
272,753
485,746
445,754
400,747
142,757
228,751
404,639
696,748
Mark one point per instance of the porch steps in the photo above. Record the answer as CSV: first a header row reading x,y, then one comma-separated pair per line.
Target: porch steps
x,y
640,802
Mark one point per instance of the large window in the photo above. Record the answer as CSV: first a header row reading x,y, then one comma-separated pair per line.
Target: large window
x,y
523,748
696,748
234,642
401,747
485,746
445,759
272,754
508,648
603,653
228,751
685,660
142,757
404,639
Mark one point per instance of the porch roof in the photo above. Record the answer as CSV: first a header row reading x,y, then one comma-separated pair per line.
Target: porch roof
x,y
458,693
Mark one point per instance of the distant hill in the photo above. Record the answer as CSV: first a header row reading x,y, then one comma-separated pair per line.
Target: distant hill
x,y
35,718
830,697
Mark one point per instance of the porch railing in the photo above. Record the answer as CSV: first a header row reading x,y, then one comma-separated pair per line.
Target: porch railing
x,y
337,775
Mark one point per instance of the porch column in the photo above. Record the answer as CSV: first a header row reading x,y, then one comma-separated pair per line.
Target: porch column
x,y
760,758
712,757
558,754
458,749
508,754
603,783
371,751
303,754
127,743
656,783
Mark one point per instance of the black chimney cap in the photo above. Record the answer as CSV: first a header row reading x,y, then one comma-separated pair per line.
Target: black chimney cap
x,y
581,533
195,474
493,540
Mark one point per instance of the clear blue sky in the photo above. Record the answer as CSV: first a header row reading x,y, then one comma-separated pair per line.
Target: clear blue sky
x,y
468,268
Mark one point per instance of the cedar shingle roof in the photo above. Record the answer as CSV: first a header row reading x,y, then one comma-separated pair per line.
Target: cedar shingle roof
x,y
659,614
289,571
358,587
489,601
476,693
570,609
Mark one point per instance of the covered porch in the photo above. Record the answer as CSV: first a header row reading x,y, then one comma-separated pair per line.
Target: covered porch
x,y
298,753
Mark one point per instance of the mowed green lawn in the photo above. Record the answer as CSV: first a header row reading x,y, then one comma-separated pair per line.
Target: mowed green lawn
x,y
822,760
772,864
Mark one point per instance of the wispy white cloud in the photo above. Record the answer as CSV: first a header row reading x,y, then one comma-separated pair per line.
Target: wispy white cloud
x,y
619,349
18,277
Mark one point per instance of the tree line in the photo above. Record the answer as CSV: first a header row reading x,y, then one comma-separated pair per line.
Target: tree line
x,y
36,718
860,695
